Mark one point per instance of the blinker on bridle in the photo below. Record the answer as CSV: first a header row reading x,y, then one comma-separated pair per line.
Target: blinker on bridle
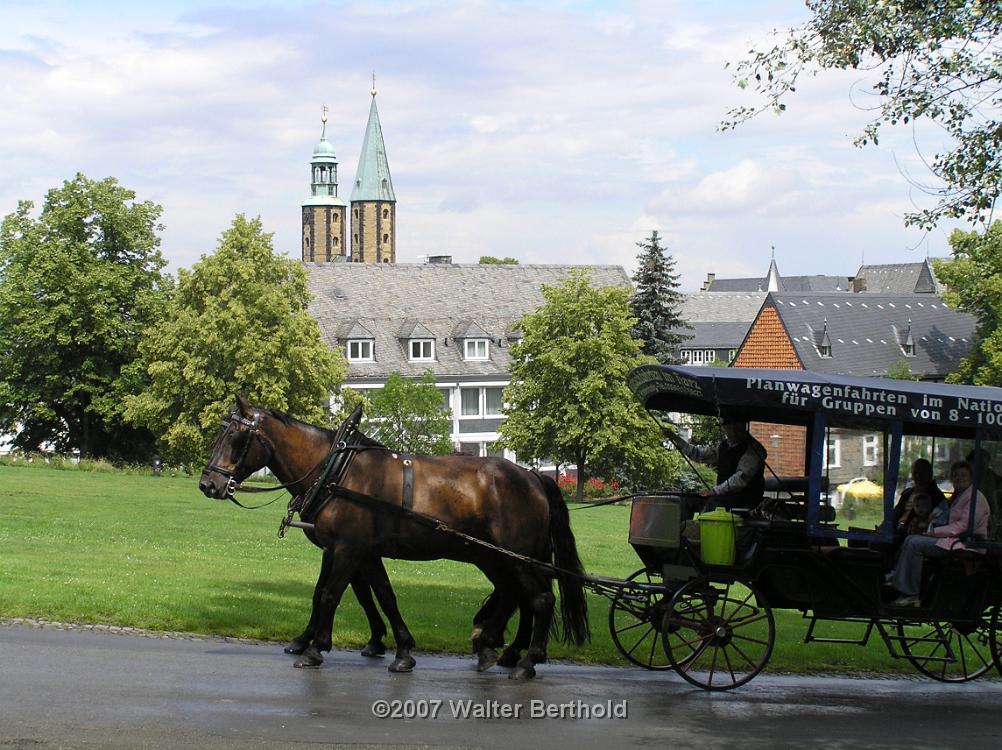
x,y
242,424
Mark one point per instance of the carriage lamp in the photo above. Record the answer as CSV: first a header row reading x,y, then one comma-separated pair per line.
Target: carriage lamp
x,y
774,439
157,465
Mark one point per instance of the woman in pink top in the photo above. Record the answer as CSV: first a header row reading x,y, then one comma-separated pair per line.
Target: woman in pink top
x,y
940,540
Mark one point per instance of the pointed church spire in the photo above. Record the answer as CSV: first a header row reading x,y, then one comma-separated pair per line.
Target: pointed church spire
x,y
373,203
372,178
772,282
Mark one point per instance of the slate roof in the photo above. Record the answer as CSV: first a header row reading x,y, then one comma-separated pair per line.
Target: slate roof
x,y
721,307
817,283
900,278
867,332
719,320
717,335
433,301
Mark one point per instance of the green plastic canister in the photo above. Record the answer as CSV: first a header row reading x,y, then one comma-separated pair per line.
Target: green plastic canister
x,y
717,535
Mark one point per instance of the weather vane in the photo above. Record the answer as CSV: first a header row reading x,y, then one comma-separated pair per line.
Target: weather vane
x,y
323,117
373,92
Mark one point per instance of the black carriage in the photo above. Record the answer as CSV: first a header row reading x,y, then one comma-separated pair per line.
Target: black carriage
x,y
711,619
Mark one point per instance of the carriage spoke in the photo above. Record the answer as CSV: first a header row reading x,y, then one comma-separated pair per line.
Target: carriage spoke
x,y
750,639
748,620
751,662
641,640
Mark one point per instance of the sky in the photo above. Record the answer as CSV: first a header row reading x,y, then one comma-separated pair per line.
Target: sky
x,y
553,132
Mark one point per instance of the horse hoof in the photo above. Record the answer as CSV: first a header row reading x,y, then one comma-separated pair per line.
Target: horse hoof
x,y
295,647
522,673
311,659
402,664
374,650
509,659
488,658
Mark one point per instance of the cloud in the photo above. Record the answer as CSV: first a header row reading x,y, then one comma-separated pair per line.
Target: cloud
x,y
556,132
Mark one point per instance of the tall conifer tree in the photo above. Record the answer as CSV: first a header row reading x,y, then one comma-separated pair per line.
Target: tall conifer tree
x,y
657,303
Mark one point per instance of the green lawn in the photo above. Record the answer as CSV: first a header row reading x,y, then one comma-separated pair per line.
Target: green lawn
x,y
154,553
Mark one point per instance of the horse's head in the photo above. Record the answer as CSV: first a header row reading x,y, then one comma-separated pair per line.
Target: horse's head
x,y
241,448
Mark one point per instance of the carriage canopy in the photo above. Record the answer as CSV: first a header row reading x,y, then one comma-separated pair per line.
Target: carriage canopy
x,y
795,396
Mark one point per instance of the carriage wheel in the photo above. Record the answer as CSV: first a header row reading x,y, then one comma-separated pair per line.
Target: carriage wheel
x,y
718,635
996,637
635,624
950,652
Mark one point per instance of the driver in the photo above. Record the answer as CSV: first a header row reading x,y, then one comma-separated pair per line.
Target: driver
x,y
740,462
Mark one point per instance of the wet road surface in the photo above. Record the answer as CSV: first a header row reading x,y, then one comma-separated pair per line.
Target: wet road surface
x,y
94,690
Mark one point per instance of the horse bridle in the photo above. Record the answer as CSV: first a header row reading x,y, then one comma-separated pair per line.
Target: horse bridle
x,y
243,424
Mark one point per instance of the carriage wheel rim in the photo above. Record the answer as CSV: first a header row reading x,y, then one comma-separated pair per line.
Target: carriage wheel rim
x,y
939,647
711,628
639,642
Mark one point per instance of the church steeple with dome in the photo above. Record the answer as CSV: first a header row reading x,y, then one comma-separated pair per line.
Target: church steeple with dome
x,y
324,213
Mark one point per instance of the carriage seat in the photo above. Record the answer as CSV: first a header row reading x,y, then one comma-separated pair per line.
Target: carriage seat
x,y
792,485
854,554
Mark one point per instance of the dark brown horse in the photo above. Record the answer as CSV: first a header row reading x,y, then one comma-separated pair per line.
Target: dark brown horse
x,y
490,499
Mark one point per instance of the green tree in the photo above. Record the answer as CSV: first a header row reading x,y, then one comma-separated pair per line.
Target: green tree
x,y
568,399
939,61
657,303
410,416
973,278
901,370
78,285
238,323
490,260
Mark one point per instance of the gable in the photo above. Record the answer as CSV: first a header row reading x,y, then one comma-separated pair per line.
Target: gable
x,y
768,344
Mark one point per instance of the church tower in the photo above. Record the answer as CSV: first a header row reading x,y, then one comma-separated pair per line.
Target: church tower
x,y
373,203
323,212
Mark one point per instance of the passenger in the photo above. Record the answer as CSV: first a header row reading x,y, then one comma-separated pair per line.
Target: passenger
x,y
922,481
939,541
919,515
988,485
740,462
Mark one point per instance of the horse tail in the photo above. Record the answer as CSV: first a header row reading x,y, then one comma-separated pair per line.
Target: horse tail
x,y
573,605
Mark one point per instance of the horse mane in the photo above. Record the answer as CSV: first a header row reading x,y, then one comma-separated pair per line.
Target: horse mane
x,y
293,422
288,421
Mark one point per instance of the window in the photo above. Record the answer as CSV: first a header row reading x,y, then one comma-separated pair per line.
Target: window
x,y
422,350
833,458
446,399
469,449
825,351
386,238
360,350
870,450
699,356
731,354
386,213
492,400
470,402
476,349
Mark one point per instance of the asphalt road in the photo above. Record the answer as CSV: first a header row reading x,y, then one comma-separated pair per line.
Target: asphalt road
x,y
62,689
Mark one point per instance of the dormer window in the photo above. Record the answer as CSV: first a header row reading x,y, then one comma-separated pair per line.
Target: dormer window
x,y
422,350
476,349
359,350
825,351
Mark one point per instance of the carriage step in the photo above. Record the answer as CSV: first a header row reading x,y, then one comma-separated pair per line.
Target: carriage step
x,y
811,637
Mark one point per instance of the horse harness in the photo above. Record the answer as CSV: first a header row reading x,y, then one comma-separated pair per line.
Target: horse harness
x,y
328,487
